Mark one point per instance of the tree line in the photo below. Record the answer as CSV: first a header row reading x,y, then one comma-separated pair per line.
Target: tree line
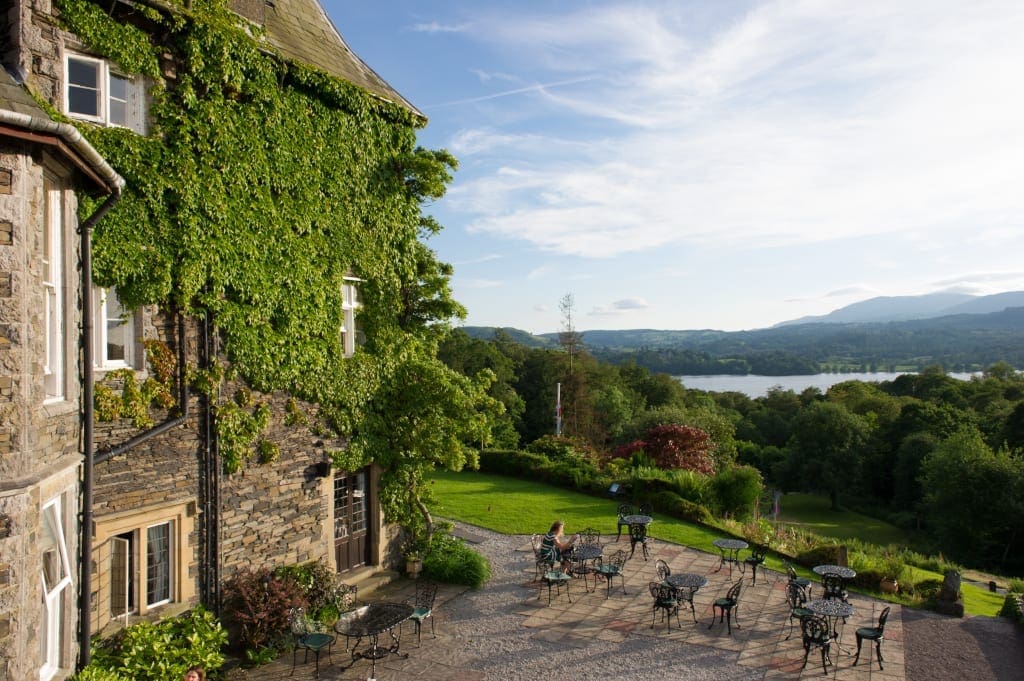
x,y
941,457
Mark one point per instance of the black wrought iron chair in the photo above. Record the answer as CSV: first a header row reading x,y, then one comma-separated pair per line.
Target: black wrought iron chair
x,y
638,535
666,601
590,537
685,595
833,586
624,510
423,606
611,568
645,509
816,634
308,636
727,606
553,577
755,560
536,542
664,571
797,599
804,583
876,634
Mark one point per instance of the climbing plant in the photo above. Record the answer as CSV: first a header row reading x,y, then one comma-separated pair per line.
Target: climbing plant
x,y
263,183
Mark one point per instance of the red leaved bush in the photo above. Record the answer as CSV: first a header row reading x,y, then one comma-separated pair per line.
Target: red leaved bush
x,y
259,603
673,446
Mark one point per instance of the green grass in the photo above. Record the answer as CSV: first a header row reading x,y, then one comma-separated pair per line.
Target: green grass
x,y
514,506
812,512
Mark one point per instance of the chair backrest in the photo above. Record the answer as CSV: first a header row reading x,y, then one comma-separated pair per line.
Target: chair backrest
x,y
757,552
815,629
624,510
663,569
426,592
618,559
646,509
637,532
882,618
833,585
536,541
795,595
661,592
545,564
298,622
590,537
734,591
790,571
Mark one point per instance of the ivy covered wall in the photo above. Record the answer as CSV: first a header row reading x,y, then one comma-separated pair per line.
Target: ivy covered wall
x,y
261,184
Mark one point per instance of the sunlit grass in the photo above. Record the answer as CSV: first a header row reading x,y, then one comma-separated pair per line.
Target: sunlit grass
x,y
515,506
812,512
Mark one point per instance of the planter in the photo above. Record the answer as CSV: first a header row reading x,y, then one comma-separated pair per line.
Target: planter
x,y
413,567
889,586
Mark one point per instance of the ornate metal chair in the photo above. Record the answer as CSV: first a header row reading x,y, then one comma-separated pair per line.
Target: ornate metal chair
x,y
833,587
590,537
624,510
423,606
663,570
553,576
309,637
536,543
797,599
645,509
612,568
638,535
727,605
804,583
755,560
876,634
665,600
816,633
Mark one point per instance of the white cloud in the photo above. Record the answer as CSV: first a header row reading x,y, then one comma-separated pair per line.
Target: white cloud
x,y
791,123
620,307
480,283
437,27
483,258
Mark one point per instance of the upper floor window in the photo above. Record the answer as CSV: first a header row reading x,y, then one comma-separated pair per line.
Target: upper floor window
x,y
96,91
113,331
54,291
351,334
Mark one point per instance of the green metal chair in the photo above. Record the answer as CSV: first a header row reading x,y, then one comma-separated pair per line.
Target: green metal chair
x,y
876,634
553,577
665,600
611,568
816,634
727,605
423,606
755,560
309,637
797,599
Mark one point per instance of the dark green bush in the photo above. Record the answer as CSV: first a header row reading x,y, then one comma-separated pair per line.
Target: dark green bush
x,y
509,462
674,506
560,448
824,554
1013,608
736,490
451,561
927,590
325,592
163,650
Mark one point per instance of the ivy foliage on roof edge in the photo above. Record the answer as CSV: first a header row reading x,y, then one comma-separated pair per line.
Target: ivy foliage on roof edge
x,y
260,185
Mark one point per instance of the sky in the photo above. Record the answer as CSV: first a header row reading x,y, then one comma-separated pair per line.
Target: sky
x,y
711,164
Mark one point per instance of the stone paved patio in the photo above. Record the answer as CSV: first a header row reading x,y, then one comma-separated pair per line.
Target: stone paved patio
x,y
759,642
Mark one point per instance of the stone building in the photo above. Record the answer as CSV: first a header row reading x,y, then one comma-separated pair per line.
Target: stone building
x,y
134,515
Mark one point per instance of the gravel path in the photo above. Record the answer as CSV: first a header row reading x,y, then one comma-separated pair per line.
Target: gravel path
x,y
976,648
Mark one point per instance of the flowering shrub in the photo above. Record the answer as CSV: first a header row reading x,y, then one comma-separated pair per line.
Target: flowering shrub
x,y
258,602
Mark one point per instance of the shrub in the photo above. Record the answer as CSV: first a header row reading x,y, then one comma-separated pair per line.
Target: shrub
x,y
325,592
1013,608
736,490
824,554
560,448
508,462
258,602
451,561
1017,586
671,504
163,650
94,673
690,485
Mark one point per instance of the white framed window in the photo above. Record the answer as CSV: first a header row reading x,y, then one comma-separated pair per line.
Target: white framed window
x,y
54,291
113,331
159,563
55,574
351,334
95,91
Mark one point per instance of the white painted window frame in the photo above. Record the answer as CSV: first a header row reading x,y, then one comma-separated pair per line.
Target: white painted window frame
x,y
171,558
54,291
52,626
101,322
134,104
350,304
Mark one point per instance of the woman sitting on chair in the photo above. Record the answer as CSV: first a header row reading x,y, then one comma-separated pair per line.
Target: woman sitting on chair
x,y
555,546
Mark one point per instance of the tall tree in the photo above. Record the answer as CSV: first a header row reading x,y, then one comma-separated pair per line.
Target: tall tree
x,y
826,448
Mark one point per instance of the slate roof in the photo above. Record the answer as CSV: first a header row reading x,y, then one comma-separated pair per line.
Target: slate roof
x,y
302,31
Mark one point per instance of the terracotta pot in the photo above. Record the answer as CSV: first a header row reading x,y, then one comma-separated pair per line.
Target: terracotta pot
x,y
889,586
413,567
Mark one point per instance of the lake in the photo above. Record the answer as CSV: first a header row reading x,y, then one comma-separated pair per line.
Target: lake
x,y
758,386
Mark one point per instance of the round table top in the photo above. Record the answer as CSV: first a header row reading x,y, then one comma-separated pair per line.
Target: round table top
x,y
830,607
689,580
731,544
844,572
586,552
637,519
372,619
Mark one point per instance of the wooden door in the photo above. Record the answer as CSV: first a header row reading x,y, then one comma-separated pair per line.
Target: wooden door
x,y
351,520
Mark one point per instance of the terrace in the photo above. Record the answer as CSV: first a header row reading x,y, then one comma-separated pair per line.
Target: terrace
x,y
507,629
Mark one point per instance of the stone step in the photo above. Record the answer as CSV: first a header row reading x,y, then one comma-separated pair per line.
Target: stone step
x,y
368,580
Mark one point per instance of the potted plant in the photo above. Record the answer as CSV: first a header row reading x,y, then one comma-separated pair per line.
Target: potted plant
x,y
893,570
413,550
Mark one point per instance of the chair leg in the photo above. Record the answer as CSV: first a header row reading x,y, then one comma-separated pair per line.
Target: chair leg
x,y
807,652
824,656
857,656
878,649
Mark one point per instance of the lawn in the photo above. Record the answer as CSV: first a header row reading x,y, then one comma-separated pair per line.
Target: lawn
x,y
811,512
515,506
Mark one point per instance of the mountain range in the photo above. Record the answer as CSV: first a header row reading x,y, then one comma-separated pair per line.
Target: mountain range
x,y
903,308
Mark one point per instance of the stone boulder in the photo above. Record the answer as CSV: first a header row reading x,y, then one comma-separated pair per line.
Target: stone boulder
x,y
950,600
